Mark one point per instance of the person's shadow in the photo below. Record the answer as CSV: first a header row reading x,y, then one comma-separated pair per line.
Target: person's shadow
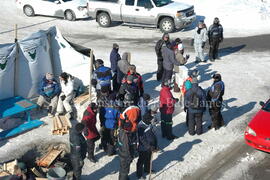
x,y
108,168
177,155
230,50
150,85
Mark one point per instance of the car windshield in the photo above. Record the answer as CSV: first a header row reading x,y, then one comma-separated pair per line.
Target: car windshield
x,y
267,107
160,3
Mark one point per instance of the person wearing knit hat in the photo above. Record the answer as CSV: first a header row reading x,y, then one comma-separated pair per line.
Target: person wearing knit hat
x,y
49,91
147,145
195,105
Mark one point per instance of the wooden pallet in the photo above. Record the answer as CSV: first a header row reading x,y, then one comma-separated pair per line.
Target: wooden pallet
x,y
48,158
83,98
61,125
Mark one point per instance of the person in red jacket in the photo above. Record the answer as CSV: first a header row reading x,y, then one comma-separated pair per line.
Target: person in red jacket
x,y
167,102
90,132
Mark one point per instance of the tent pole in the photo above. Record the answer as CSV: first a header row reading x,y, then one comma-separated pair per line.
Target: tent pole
x,y
91,69
16,33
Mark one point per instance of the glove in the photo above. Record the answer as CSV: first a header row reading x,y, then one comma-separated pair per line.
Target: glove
x,y
192,42
185,109
176,99
187,56
63,97
203,44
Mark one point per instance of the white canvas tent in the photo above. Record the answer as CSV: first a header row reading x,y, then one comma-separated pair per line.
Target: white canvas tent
x,y
23,64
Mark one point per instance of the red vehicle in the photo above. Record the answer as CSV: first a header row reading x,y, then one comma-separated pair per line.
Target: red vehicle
x,y
257,134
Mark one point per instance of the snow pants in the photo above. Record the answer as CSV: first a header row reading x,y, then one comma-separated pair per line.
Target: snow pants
x,y
77,165
91,147
108,141
213,51
160,69
65,104
53,103
195,122
199,52
143,163
166,125
216,116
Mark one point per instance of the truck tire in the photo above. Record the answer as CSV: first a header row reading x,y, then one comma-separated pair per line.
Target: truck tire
x,y
103,19
166,25
28,10
69,15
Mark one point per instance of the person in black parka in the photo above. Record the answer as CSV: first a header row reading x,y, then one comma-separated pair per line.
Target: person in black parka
x,y
78,150
114,58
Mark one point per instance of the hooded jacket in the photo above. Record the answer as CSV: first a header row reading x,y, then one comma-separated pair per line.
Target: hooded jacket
x,y
67,88
122,67
129,118
103,75
114,58
201,95
89,120
49,89
146,136
169,59
200,38
159,46
111,116
166,101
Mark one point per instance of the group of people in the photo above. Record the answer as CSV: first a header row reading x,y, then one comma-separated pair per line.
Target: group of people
x,y
127,122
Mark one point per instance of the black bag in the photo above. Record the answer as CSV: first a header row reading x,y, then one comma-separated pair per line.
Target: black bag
x,y
194,101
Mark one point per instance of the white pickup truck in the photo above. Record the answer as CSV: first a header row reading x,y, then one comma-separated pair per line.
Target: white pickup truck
x,y
164,14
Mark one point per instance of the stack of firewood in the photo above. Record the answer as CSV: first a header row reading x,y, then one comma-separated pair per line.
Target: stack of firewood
x,y
61,125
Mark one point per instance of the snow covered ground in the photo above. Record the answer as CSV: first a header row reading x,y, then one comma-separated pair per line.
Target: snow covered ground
x,y
246,76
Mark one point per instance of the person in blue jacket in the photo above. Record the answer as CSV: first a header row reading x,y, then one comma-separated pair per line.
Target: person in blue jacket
x,y
49,90
109,116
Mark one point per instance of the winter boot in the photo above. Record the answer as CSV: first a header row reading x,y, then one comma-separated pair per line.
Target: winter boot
x,y
92,159
50,115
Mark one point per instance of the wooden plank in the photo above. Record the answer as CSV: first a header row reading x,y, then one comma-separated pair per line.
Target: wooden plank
x,y
82,98
47,160
36,172
10,166
58,121
4,173
37,178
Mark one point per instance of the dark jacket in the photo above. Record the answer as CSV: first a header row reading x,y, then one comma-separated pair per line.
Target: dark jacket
x,y
128,92
114,58
147,138
166,101
169,59
122,67
139,82
159,46
89,120
49,89
215,31
103,75
202,99
216,91
78,146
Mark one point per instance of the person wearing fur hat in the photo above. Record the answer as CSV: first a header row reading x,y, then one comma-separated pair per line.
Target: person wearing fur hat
x,y
147,145
66,96
195,104
49,91
167,102
215,97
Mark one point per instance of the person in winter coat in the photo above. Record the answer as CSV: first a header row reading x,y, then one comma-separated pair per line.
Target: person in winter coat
x,y
215,35
128,91
195,102
137,79
147,145
90,131
78,148
49,90
215,98
164,41
143,104
66,96
114,58
102,77
200,38
169,60
109,116
127,139
167,102
122,67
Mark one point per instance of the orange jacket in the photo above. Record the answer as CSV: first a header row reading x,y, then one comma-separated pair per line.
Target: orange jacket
x,y
131,117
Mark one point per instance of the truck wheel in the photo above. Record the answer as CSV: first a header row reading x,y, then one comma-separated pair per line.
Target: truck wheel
x,y
69,15
166,25
104,19
28,10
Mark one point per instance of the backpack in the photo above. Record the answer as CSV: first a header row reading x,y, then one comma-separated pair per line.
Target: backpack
x,y
194,101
